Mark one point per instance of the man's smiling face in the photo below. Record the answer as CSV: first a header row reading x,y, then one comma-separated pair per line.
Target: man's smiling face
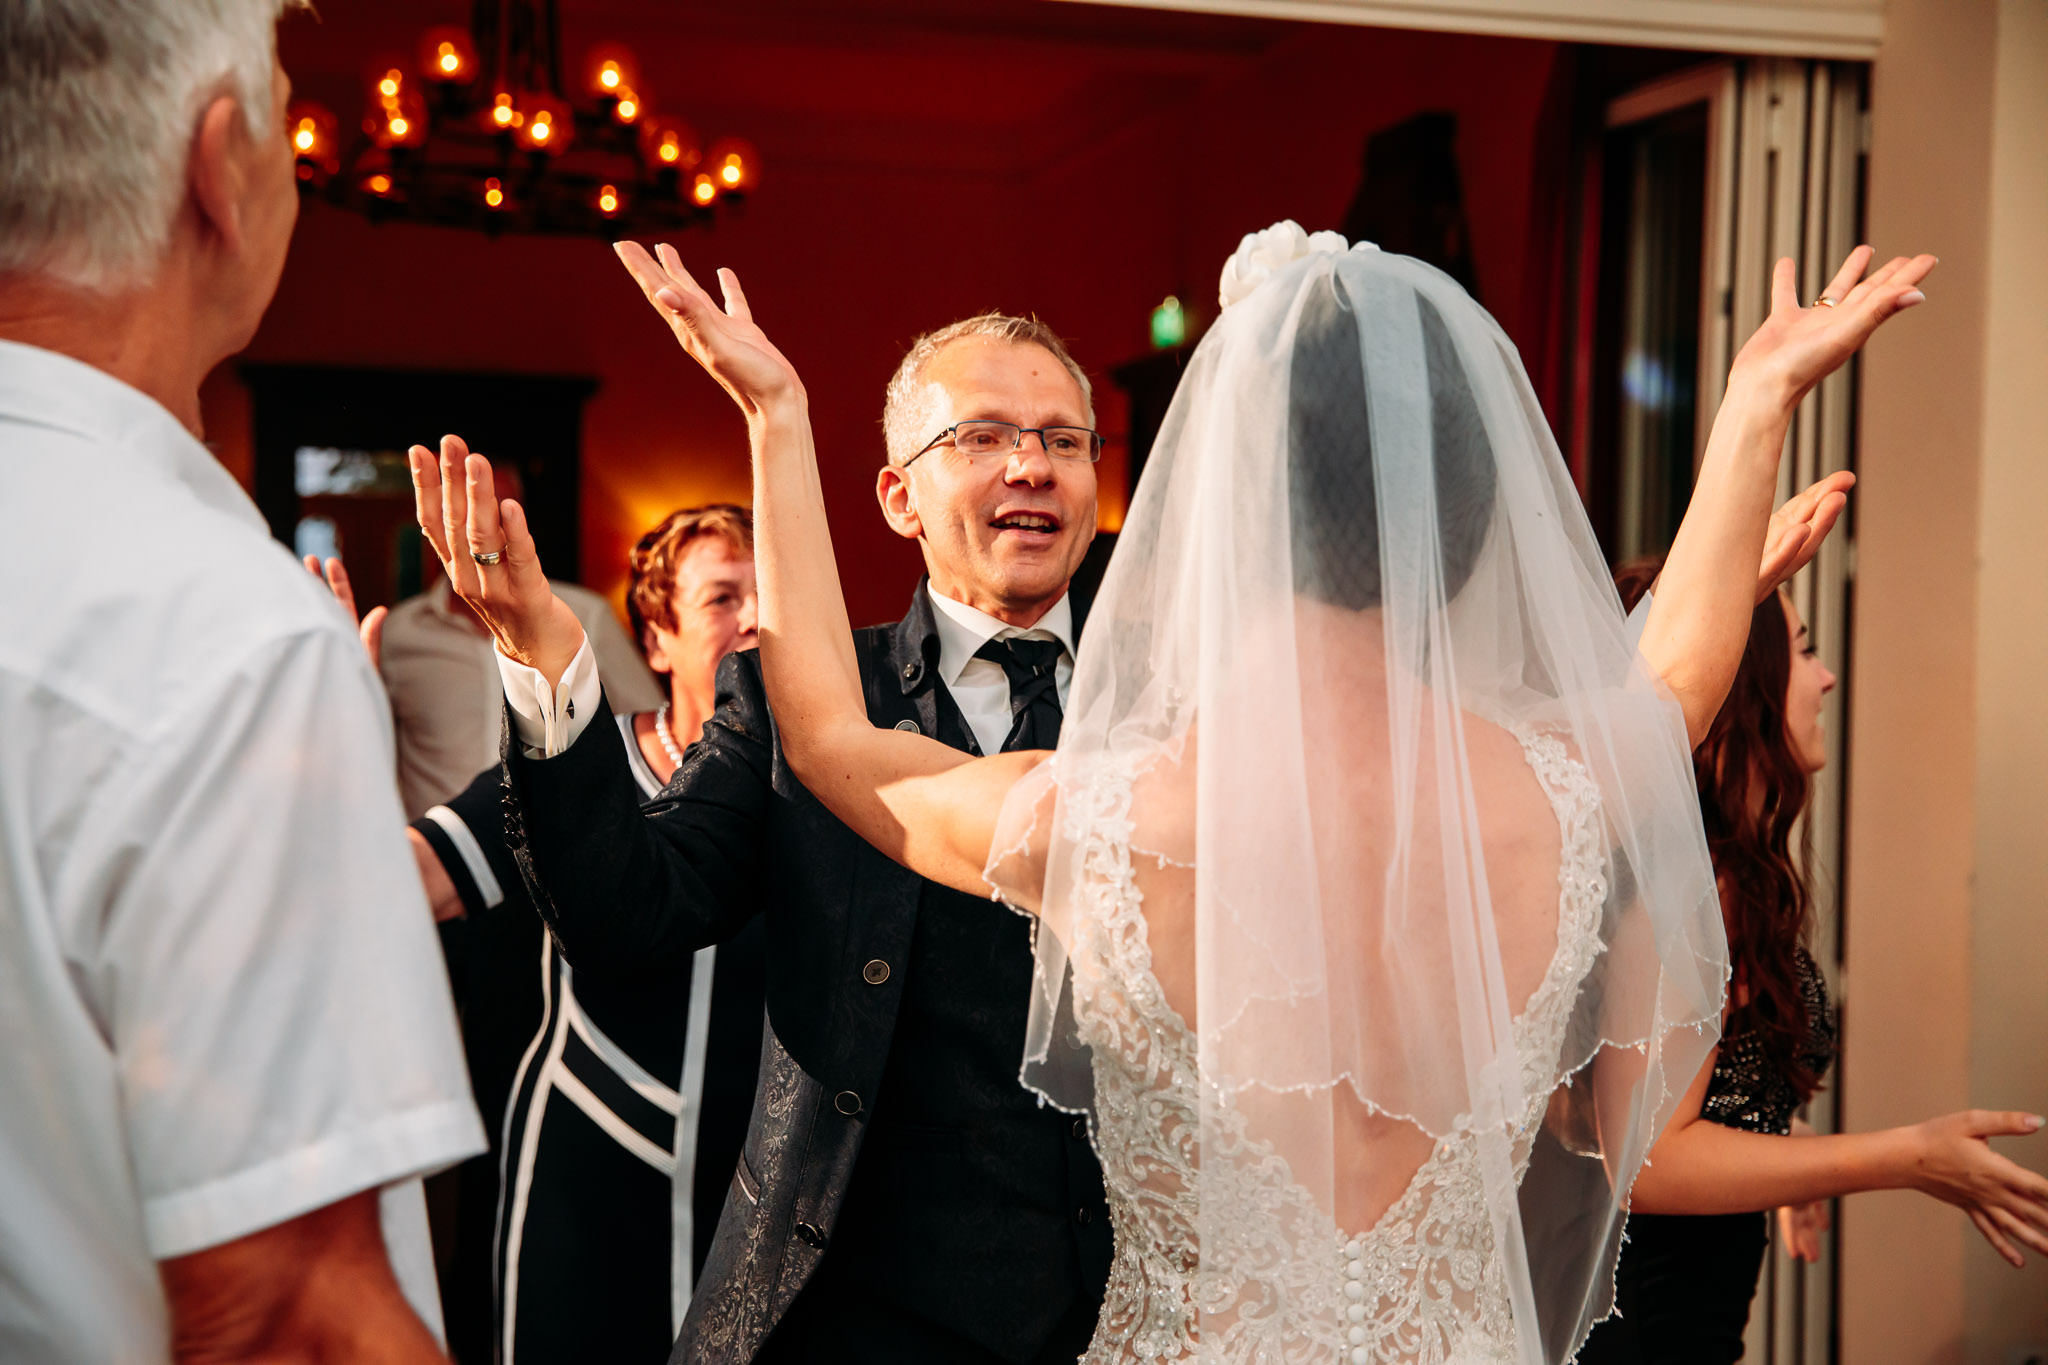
x,y
1001,532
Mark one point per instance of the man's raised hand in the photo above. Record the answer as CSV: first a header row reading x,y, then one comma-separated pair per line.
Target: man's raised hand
x,y
487,551
725,341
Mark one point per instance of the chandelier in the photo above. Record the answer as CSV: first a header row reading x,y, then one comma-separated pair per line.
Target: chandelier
x,y
479,132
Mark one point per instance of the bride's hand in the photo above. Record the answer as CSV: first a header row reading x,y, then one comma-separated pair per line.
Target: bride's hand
x,y
1798,347
724,341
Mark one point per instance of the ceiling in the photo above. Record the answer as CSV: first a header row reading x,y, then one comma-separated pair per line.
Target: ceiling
x,y
976,87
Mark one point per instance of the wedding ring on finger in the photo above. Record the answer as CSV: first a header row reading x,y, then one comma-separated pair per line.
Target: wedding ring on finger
x,y
487,559
1823,302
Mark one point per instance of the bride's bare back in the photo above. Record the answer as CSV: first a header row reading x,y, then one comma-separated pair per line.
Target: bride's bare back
x,y
1383,891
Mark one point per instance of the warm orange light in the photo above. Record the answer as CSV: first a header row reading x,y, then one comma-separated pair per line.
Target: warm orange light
x,y
613,71
608,199
494,193
502,112
628,108
669,144
388,87
380,184
736,164
401,122
548,123
705,191
313,138
447,54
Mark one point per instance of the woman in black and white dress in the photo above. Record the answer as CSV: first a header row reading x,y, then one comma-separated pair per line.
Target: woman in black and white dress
x,y
616,1107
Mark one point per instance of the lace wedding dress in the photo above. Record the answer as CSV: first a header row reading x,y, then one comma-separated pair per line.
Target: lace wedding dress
x,y
1277,1277
1355,690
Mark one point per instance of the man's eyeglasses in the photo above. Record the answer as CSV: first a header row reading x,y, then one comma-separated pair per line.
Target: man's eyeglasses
x,y
979,438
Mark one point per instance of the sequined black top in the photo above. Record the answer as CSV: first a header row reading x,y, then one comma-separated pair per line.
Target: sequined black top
x,y
1748,1090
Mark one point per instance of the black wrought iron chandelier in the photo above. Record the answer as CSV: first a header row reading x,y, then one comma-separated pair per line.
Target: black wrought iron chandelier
x,y
479,133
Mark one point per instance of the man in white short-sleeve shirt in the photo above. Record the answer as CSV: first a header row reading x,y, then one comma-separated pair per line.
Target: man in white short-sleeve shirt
x,y
227,1051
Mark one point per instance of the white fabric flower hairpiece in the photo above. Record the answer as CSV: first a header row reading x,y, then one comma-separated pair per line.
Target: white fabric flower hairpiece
x,y
1261,254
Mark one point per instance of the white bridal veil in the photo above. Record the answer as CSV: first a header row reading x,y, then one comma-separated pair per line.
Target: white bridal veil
x,y
1415,833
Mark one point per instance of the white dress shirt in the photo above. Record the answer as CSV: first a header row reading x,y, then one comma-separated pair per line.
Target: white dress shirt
x,y
447,700
980,688
546,722
221,1000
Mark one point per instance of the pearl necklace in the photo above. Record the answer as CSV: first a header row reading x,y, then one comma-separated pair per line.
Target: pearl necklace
x,y
668,741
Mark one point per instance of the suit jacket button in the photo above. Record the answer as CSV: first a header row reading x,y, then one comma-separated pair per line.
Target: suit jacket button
x,y
1084,1216
1080,1130
908,727
875,973
847,1103
810,1236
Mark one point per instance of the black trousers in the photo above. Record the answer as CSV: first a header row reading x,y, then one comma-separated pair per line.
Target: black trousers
x,y
1683,1289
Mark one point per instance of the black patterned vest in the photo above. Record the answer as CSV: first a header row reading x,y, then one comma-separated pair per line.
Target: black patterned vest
x,y
972,1206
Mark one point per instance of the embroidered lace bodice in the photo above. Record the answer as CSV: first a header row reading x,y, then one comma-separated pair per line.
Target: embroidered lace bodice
x,y
1277,1282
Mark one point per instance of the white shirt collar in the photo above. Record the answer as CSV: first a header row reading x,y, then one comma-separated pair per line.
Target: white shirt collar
x,y
963,629
48,388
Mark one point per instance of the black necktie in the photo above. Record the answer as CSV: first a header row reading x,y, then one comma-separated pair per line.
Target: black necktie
x,y
1031,667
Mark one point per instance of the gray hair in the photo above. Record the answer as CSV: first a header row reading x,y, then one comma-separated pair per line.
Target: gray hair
x,y
99,100
903,405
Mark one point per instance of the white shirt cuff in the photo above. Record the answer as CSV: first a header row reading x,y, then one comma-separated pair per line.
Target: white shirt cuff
x,y
547,722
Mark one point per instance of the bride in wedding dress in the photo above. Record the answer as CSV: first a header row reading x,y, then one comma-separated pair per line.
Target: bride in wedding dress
x,y
1376,936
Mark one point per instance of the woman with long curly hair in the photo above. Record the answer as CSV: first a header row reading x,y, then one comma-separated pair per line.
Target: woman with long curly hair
x,y
1697,1225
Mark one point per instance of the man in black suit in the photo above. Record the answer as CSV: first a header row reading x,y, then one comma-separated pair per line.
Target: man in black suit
x,y
900,1197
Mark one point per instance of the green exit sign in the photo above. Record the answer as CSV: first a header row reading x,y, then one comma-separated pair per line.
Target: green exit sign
x,y
1169,324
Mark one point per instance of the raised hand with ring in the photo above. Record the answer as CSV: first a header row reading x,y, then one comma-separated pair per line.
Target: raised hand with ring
x,y
499,577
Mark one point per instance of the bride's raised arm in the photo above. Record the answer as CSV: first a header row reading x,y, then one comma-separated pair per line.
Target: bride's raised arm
x,y
1699,616
930,807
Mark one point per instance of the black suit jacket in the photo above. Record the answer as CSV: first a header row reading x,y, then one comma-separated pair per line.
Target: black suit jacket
x,y
736,835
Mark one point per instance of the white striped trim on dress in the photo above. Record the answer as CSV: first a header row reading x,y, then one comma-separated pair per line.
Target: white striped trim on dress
x,y
472,855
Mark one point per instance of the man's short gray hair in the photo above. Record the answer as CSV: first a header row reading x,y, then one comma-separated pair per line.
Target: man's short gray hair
x,y
904,406
99,100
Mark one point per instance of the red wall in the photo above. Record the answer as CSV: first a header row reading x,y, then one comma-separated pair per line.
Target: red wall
x,y
847,259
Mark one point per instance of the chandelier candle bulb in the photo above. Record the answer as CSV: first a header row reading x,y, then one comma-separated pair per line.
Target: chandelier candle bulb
x,y
669,144
315,147
612,69
400,121
447,55
736,165
549,124
494,193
